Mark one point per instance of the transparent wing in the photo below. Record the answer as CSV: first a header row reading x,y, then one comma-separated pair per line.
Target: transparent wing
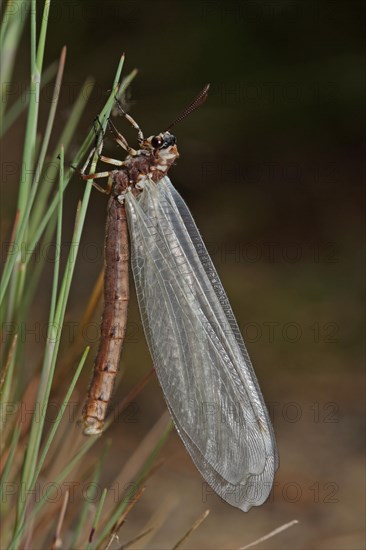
x,y
198,353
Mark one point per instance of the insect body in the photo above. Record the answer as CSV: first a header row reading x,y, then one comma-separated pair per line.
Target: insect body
x,y
198,352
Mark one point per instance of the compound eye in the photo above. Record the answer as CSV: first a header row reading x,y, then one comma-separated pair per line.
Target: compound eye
x,y
157,142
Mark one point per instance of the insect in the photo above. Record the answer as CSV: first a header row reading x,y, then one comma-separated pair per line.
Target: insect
x,y
198,352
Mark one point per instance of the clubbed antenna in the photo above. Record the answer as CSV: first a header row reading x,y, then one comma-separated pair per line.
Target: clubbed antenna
x,y
201,98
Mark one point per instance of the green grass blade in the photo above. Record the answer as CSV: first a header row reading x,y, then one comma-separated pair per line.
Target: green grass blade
x,y
23,101
126,82
48,364
32,281
7,384
27,164
50,121
41,202
58,480
84,511
58,239
29,151
58,419
42,35
68,469
120,508
11,29
51,352
32,119
11,259
41,218
41,205
20,526
96,519
9,461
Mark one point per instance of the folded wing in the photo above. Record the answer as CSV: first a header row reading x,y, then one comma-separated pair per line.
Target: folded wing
x,y
198,352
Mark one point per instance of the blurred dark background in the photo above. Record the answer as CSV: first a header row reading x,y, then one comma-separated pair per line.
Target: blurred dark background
x,y
272,169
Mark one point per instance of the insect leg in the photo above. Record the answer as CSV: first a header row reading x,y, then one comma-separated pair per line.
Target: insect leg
x,y
85,166
97,175
140,135
108,160
98,149
120,139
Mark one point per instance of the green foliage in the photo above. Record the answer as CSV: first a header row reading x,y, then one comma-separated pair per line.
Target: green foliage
x,y
36,455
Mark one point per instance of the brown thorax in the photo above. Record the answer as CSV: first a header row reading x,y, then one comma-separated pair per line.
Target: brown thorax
x,y
151,162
